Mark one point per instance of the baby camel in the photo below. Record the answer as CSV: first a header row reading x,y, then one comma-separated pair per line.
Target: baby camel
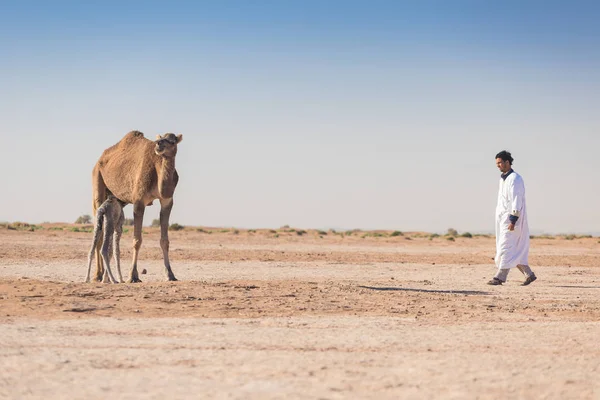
x,y
110,215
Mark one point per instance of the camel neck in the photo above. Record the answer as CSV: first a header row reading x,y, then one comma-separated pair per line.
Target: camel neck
x,y
168,164
166,177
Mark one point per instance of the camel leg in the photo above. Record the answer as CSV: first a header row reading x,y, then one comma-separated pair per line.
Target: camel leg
x,y
165,212
106,250
106,260
138,219
99,262
117,243
99,195
90,258
95,245
104,244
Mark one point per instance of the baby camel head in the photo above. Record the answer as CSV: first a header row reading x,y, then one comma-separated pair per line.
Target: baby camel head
x,y
166,145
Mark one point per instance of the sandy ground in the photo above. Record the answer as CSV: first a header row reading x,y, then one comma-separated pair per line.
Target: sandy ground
x,y
255,316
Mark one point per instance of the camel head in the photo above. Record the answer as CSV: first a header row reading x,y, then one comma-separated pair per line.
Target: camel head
x,y
166,145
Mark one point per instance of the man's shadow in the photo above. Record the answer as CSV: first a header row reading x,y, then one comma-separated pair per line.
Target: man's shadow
x,y
399,289
577,287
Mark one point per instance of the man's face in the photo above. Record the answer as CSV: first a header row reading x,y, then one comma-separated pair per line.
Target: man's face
x,y
503,166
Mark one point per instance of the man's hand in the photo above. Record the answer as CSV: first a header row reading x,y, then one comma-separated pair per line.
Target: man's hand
x,y
511,226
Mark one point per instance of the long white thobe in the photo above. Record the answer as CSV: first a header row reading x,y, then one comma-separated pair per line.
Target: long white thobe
x,y
512,247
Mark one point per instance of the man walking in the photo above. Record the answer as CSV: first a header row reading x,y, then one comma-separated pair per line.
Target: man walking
x,y
512,231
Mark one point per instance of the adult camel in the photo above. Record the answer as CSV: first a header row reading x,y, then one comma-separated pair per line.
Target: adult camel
x,y
138,171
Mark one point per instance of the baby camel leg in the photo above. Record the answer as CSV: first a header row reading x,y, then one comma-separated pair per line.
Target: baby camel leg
x,y
117,243
106,248
97,239
91,257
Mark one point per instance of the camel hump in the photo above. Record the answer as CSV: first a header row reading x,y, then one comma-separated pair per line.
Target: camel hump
x,y
133,137
135,134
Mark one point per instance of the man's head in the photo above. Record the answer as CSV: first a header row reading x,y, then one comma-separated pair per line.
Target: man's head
x,y
504,161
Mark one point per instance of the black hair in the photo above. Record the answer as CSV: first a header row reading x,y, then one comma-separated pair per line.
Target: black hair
x,y
505,156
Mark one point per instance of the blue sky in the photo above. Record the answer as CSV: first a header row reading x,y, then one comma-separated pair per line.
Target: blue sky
x,y
316,114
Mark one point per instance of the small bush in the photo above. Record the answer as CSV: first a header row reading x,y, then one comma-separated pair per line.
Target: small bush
x,y
236,232
466,235
176,227
433,236
300,232
322,233
155,223
251,230
129,222
272,231
374,234
541,237
450,238
452,232
77,229
84,219
23,226
397,233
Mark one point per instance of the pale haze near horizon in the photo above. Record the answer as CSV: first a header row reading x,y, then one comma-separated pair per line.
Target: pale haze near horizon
x,y
346,115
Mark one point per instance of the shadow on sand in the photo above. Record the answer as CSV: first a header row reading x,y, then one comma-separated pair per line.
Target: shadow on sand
x,y
578,287
399,289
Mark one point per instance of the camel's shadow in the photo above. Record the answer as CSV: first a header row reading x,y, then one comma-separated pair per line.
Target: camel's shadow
x,y
400,289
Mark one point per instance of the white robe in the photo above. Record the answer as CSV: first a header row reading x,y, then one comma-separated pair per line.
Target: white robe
x,y
512,247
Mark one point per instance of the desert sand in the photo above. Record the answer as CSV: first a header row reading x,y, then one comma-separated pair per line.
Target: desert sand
x,y
322,315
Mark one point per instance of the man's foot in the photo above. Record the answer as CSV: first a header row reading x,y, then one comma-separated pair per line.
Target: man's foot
x,y
529,279
495,282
